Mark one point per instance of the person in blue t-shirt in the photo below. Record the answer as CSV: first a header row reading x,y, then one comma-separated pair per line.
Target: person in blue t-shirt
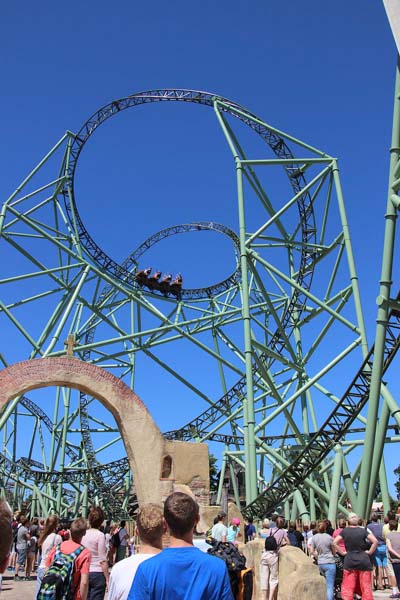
x,y
249,530
182,571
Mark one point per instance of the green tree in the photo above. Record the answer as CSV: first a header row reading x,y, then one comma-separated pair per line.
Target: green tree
x,y
213,473
397,483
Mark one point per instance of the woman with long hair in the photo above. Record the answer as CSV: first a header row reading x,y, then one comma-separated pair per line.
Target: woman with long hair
x,y
47,539
95,541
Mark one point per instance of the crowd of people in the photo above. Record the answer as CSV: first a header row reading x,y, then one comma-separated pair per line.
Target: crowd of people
x,y
354,558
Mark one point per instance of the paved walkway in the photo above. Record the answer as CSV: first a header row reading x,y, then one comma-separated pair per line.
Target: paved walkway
x,y
18,590
25,590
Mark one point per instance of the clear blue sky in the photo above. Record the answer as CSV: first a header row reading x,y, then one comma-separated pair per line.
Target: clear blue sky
x,y
322,71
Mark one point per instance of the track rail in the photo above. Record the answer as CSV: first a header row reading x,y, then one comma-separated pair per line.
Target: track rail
x,y
275,142
125,272
331,432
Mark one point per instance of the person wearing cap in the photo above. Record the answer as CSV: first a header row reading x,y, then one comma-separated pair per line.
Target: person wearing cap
x,y
360,545
233,531
220,530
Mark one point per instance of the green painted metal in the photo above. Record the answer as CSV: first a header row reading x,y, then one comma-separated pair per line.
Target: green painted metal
x,y
262,337
367,483
336,476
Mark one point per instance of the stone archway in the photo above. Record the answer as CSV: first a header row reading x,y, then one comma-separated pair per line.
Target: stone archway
x,y
144,443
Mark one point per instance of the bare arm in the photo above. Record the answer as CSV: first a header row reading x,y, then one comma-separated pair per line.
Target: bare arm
x,y
84,585
103,558
285,541
390,548
371,538
337,539
104,568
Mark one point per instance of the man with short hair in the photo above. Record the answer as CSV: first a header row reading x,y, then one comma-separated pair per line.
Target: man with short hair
x,y
181,572
80,578
150,528
6,536
249,530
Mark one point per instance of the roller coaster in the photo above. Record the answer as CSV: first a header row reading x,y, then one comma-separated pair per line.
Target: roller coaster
x,y
279,338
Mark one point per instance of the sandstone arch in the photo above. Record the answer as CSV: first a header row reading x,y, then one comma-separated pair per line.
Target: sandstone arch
x,y
144,443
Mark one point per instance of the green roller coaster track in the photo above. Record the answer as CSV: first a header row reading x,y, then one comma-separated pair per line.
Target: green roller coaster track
x,y
280,334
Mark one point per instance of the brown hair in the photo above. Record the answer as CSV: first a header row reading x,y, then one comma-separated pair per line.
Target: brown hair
x,y
322,527
280,522
6,531
374,517
49,527
393,525
78,529
96,517
180,513
150,523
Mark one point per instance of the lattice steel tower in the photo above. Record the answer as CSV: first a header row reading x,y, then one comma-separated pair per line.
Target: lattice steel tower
x,y
283,334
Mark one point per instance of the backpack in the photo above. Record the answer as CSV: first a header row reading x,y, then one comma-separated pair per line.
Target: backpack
x,y
116,540
246,585
209,538
15,532
57,582
234,560
271,544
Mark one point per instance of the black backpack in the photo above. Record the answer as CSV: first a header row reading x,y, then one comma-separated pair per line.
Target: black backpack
x,y
234,560
270,543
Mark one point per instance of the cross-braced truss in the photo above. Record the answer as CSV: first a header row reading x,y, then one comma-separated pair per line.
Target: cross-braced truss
x,y
279,339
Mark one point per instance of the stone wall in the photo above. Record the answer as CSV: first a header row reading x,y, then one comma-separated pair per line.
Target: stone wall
x,y
148,452
299,578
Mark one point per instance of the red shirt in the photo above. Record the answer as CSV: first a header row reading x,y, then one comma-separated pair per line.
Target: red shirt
x,y
82,563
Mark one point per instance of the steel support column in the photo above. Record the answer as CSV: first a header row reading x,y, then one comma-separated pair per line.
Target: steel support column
x,y
382,315
248,405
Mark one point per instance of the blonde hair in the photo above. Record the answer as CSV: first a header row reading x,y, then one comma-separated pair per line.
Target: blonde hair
x,y
150,523
78,529
265,523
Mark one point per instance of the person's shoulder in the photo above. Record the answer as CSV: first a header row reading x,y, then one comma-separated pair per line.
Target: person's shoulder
x,y
213,562
69,546
127,563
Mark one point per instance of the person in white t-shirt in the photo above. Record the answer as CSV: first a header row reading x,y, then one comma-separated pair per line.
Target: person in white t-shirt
x,y
150,528
220,531
47,539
